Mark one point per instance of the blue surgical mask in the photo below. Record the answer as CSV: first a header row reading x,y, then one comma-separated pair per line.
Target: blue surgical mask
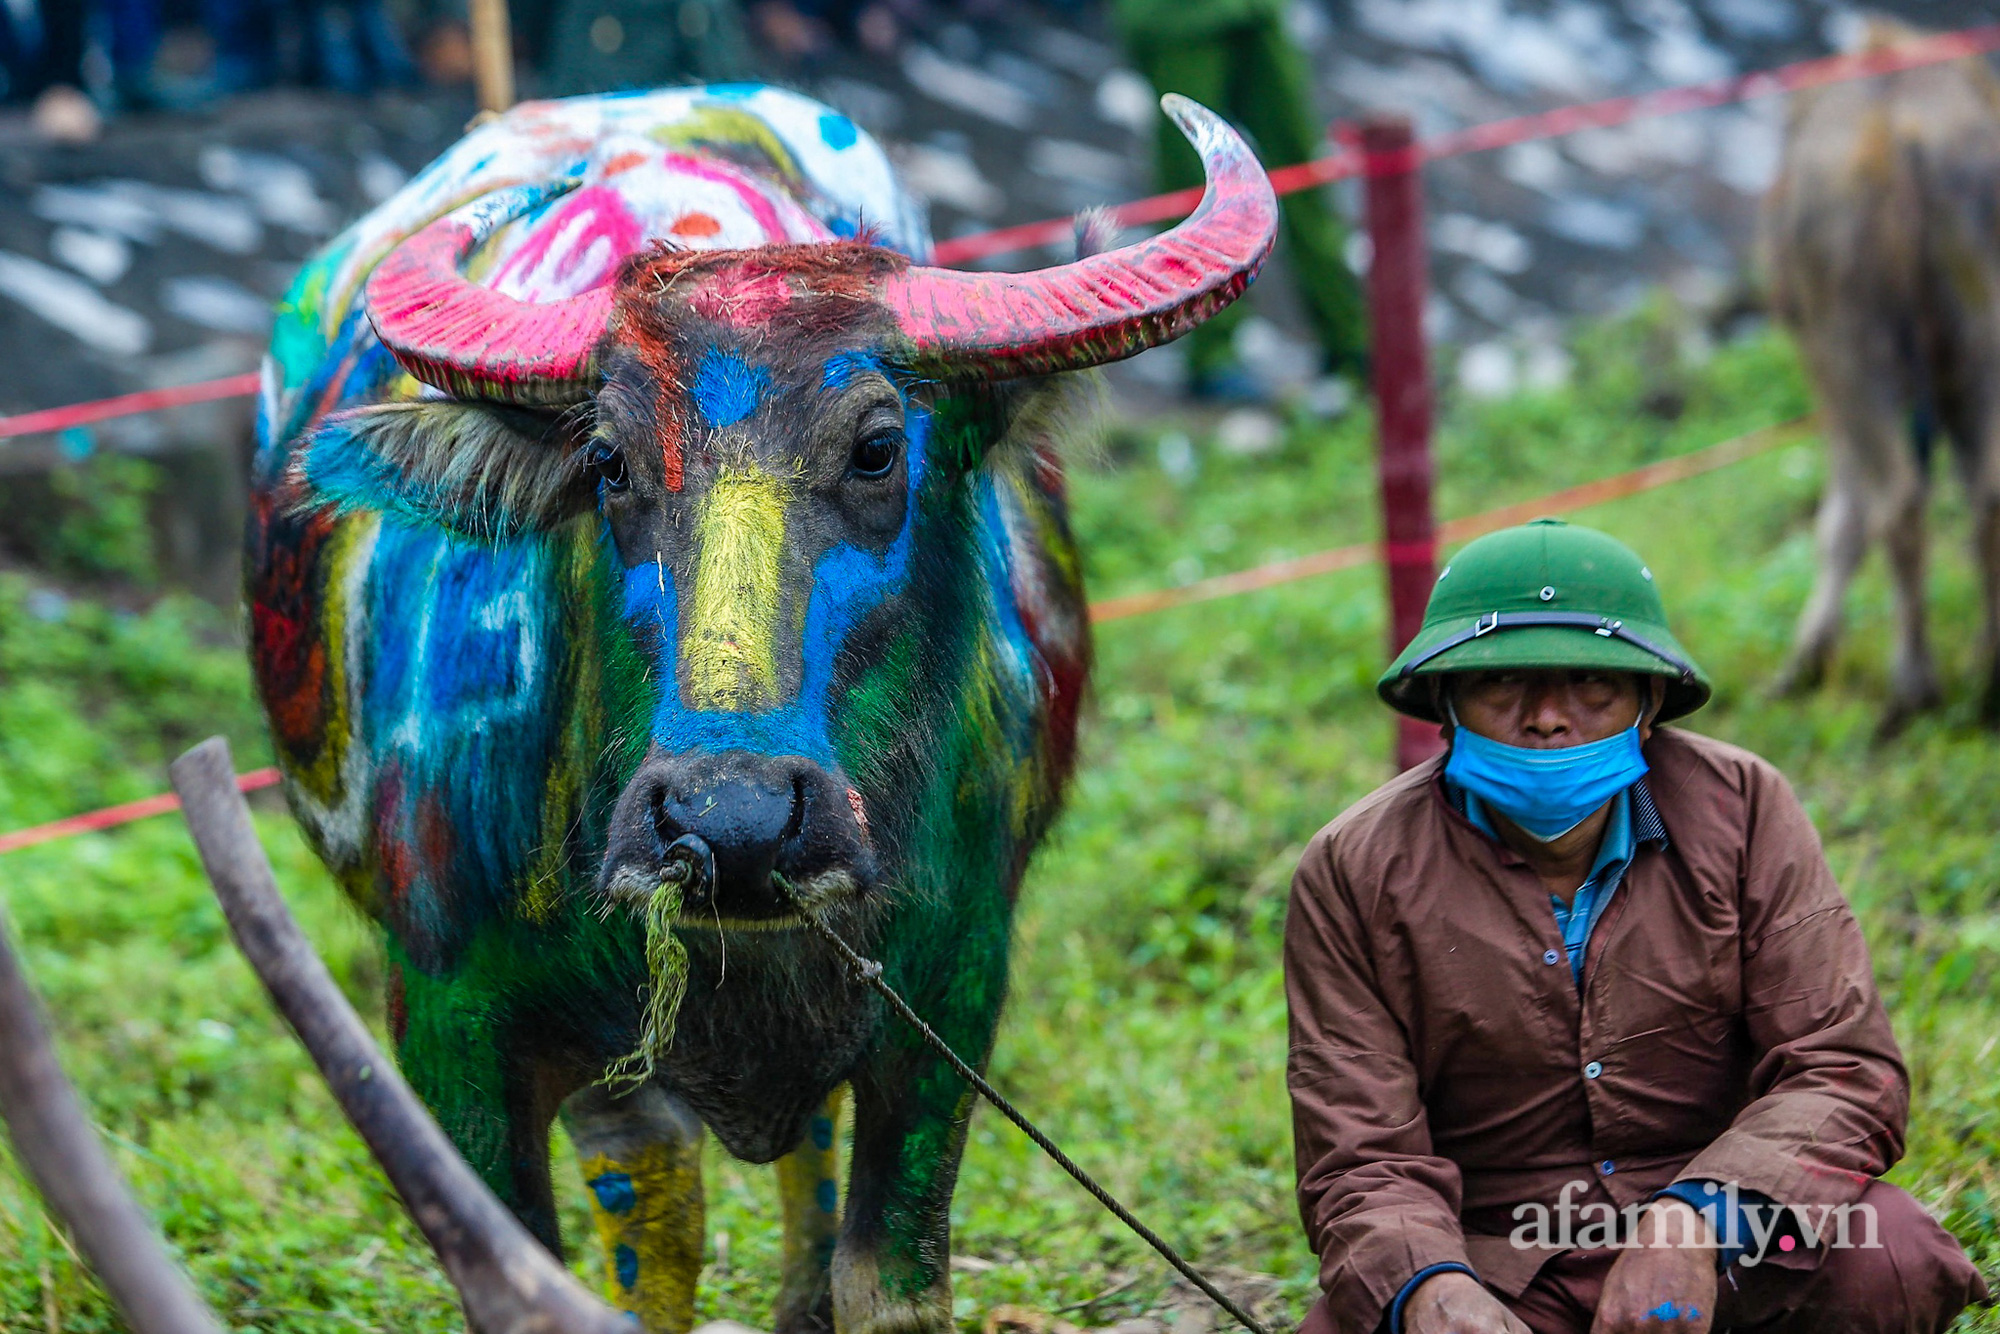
x,y
1546,792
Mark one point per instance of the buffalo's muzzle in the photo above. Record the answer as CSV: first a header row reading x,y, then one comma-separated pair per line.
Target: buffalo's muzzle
x,y
726,824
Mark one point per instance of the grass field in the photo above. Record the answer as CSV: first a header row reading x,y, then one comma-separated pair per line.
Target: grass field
x,y
1147,1026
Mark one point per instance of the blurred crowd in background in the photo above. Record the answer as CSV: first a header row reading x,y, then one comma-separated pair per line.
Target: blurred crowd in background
x,y
146,55
73,63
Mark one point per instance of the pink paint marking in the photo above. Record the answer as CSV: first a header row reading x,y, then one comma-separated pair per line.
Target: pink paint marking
x,y
755,201
576,248
744,301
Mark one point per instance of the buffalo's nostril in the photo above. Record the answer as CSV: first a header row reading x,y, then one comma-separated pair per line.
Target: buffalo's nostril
x,y
796,825
690,863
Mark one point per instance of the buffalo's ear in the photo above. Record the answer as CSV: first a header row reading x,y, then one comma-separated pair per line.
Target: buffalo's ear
x,y
974,425
485,472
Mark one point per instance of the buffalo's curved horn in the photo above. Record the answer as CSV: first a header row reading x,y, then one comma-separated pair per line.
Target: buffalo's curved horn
x,y
1105,307
509,1284
472,341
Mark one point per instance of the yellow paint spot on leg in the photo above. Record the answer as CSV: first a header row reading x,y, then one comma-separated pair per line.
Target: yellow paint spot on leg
x,y
730,645
809,1202
649,1213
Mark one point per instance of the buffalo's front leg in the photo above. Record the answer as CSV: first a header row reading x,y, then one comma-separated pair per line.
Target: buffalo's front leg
x,y
891,1270
494,1101
810,1200
641,1158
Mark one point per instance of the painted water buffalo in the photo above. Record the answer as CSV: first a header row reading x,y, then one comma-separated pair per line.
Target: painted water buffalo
x,y
1882,239
634,507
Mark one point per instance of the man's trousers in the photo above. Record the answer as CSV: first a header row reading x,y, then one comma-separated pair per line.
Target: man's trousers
x,y
1915,1282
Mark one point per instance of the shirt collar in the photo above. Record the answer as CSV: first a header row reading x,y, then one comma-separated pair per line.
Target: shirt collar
x,y
1615,849
1647,826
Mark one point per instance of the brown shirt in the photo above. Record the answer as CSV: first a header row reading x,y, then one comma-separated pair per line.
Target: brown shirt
x,y
1443,1072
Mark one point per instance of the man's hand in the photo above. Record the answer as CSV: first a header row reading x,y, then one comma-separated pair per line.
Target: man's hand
x,y
1668,1287
1454,1303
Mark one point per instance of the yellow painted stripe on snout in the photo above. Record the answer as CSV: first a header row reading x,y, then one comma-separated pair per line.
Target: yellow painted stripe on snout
x,y
730,645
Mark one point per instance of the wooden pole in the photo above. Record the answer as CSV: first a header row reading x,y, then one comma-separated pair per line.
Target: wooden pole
x,y
55,1142
492,55
1398,282
509,1284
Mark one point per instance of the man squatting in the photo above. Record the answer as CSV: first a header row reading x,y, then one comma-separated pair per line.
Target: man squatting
x,y
1584,1036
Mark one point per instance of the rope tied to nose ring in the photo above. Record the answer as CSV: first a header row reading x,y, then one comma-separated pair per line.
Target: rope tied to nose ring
x,y
869,973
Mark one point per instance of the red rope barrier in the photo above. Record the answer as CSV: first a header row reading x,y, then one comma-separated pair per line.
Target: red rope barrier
x,y
1614,487
49,420
111,816
1520,129
1285,180
1719,92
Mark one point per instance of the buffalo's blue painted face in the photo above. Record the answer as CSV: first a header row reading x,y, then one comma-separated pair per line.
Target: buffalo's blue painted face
x,y
746,585
764,517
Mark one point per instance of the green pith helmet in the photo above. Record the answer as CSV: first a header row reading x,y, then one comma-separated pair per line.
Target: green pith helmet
x,y
1546,594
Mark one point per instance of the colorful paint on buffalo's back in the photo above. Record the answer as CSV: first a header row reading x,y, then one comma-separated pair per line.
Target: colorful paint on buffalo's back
x,y
713,168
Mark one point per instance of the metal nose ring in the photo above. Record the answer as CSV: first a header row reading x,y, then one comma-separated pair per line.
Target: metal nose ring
x,y
690,863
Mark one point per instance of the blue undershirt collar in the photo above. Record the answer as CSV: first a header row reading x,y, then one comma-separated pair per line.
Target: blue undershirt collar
x,y
1634,823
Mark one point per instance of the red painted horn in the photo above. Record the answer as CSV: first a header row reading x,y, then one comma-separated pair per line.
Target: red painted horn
x,y
476,343
471,341
999,326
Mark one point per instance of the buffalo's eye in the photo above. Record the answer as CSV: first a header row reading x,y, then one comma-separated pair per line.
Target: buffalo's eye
x,y
875,454
608,462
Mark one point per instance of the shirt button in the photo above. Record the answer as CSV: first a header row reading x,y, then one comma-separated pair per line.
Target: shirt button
x,y
1593,1070
1550,956
1607,1167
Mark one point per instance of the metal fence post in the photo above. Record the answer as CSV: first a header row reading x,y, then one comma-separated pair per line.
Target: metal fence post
x,y
1397,284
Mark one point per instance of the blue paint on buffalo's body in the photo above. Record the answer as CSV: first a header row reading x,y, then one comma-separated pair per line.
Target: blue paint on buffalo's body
x,y
822,1133
727,388
455,706
614,1192
839,371
626,1261
848,582
837,131
1013,638
1667,1310
827,1196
